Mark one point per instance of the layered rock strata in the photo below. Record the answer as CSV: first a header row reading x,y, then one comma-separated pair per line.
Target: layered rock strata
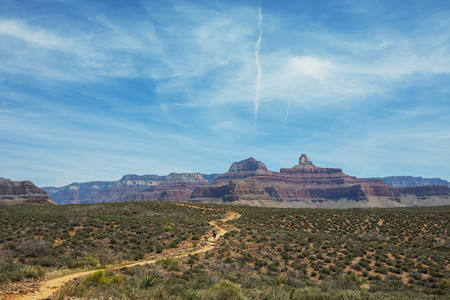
x,y
173,187
22,192
249,182
176,187
402,181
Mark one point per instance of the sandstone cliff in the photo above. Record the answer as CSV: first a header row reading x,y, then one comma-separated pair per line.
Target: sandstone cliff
x,y
176,187
22,192
76,193
249,182
173,187
245,168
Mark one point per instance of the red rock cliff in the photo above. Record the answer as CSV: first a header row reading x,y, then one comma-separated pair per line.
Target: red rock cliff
x,y
22,192
306,185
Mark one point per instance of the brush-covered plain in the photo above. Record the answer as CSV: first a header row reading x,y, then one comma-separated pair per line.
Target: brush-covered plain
x,y
268,253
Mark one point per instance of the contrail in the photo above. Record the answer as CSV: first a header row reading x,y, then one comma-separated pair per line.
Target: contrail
x,y
259,75
287,114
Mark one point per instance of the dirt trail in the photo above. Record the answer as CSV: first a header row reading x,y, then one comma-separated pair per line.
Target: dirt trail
x,y
48,287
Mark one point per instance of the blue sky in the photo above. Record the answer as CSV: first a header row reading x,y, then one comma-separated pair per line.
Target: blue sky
x,y
94,90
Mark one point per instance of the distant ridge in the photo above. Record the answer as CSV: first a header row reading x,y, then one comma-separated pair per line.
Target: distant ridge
x,y
305,185
22,192
403,181
249,182
130,187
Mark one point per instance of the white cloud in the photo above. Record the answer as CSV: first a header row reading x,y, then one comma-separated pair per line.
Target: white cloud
x,y
42,38
198,62
309,66
197,43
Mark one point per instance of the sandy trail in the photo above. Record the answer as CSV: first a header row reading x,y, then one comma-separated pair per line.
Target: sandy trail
x,y
48,287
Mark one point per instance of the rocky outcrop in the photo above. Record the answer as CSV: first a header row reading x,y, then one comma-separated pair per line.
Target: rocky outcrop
x,y
243,191
401,181
188,178
424,191
173,187
22,192
249,182
176,187
210,177
76,193
429,195
209,194
246,189
127,188
306,185
104,191
249,167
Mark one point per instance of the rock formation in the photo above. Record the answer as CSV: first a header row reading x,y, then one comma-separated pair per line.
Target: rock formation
x,y
249,167
173,187
76,193
249,182
400,181
176,187
22,192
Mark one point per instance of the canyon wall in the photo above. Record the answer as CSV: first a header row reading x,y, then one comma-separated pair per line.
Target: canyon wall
x,y
22,192
249,182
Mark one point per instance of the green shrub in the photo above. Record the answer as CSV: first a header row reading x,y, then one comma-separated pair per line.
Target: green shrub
x,y
355,278
16,271
34,272
149,281
83,262
97,278
137,255
279,281
45,262
175,242
3,278
117,280
167,262
444,284
100,278
226,290
34,248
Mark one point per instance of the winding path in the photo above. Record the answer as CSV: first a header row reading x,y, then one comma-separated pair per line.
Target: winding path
x,y
48,287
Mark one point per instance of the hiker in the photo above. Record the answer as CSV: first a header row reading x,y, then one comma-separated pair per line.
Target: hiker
x,y
214,234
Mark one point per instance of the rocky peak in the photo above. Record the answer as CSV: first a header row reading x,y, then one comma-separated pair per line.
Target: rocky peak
x,y
249,167
140,181
186,177
304,161
305,166
249,164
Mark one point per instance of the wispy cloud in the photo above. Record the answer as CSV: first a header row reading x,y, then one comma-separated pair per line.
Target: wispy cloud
x,y
286,117
186,78
258,66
